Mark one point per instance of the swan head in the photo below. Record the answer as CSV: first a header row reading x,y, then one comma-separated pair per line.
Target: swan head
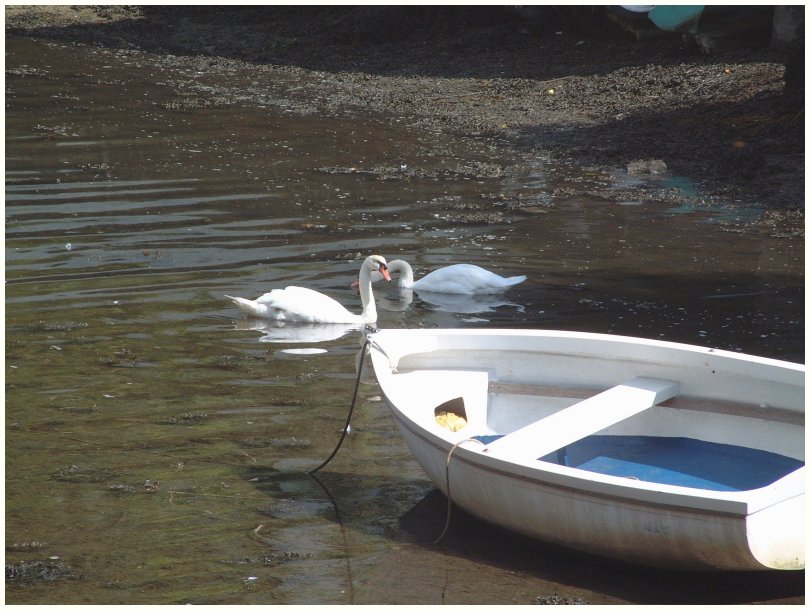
x,y
377,263
395,266
401,267
375,267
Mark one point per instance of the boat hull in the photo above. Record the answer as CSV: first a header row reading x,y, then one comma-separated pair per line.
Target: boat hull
x,y
645,522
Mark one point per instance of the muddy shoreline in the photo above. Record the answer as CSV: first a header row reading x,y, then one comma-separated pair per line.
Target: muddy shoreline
x,y
568,87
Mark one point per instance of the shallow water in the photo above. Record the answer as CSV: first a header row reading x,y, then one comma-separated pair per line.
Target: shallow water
x,y
157,444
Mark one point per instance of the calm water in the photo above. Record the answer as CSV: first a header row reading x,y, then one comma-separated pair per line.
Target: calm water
x,y
157,444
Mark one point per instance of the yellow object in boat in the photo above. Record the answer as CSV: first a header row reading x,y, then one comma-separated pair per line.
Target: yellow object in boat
x,y
450,420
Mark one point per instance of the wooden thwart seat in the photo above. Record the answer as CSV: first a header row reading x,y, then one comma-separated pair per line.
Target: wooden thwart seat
x,y
582,419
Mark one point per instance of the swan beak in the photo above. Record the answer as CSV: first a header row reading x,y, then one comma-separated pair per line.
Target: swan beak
x,y
385,274
355,283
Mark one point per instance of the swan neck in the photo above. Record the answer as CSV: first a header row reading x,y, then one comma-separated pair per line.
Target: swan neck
x,y
367,296
405,272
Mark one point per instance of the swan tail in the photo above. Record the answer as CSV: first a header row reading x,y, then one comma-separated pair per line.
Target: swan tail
x,y
517,279
251,308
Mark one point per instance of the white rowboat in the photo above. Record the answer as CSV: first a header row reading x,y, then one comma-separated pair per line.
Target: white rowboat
x,y
652,452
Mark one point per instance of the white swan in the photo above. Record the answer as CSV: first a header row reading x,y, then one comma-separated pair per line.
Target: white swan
x,y
454,279
304,305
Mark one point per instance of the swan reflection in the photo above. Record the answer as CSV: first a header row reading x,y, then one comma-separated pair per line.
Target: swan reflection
x,y
402,298
279,332
466,303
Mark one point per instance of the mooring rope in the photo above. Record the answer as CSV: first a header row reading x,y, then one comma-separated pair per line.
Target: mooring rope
x,y
346,428
447,482
363,349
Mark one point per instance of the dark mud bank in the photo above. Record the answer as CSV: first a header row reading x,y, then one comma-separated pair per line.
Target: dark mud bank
x,y
567,87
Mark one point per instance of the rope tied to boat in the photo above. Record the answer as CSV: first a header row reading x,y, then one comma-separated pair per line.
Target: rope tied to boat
x,y
372,343
447,483
369,342
347,426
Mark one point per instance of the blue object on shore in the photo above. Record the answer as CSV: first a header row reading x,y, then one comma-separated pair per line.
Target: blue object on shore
x,y
678,18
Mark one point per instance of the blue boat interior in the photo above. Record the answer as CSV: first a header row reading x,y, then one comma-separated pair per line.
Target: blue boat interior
x,y
685,462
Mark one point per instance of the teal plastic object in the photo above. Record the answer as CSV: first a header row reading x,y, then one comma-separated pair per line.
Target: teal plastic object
x,y
677,18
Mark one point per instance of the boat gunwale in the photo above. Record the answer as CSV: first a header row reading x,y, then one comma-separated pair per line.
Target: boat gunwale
x,y
572,335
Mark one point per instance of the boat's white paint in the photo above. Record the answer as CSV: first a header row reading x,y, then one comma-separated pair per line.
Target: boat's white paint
x,y
501,375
